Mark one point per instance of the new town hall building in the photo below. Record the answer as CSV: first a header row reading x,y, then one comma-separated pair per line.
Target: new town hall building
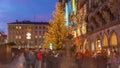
x,y
97,24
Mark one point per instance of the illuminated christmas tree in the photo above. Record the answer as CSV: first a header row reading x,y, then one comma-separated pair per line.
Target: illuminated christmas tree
x,y
57,30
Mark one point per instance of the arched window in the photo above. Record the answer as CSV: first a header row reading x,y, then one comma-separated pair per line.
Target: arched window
x,y
113,39
98,44
105,41
92,47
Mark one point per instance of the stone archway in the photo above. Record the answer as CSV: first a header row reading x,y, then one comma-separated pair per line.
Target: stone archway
x,y
85,46
92,46
113,41
104,41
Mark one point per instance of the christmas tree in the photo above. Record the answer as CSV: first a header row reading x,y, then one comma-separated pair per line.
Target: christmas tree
x,y
57,30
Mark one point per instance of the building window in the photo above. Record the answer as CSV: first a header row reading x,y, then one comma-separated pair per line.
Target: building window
x,y
16,37
36,27
19,37
43,27
16,27
39,36
39,27
29,27
98,43
13,27
19,27
36,37
39,32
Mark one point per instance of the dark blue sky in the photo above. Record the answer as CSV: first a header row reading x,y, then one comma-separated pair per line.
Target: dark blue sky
x,y
33,10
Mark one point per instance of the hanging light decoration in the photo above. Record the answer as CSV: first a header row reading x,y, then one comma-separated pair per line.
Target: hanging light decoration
x,y
74,8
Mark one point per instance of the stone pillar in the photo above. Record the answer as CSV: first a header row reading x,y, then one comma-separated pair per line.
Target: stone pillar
x,y
68,60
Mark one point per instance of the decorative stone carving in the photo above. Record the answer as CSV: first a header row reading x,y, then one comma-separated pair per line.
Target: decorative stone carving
x,y
92,22
105,13
90,27
102,19
113,5
84,30
98,18
95,22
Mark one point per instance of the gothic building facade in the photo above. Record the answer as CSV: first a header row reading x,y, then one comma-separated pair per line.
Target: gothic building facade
x,y
103,24
97,24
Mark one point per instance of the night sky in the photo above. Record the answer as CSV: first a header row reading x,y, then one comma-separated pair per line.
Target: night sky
x,y
33,10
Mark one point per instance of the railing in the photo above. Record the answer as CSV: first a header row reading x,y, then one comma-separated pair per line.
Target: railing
x,y
19,47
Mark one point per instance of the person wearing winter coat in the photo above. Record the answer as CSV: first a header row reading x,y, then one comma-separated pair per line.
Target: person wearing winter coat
x,y
113,60
30,59
40,58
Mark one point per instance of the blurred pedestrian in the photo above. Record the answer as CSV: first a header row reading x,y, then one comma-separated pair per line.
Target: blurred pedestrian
x,y
21,61
13,56
56,59
40,58
26,54
87,53
79,58
30,58
44,58
113,60
49,58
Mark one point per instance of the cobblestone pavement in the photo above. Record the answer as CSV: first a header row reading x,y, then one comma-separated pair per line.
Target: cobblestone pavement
x,y
66,63
68,60
11,65
88,63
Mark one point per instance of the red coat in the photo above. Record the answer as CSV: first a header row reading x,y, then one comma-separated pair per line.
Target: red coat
x,y
39,55
87,53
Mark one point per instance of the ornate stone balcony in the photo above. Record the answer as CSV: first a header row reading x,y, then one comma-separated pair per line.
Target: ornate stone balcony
x,y
102,15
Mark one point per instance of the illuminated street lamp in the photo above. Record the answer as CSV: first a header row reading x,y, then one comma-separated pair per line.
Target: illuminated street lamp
x,y
28,38
51,46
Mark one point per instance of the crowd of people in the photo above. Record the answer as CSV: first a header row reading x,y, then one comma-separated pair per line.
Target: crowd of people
x,y
37,58
46,58
96,59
